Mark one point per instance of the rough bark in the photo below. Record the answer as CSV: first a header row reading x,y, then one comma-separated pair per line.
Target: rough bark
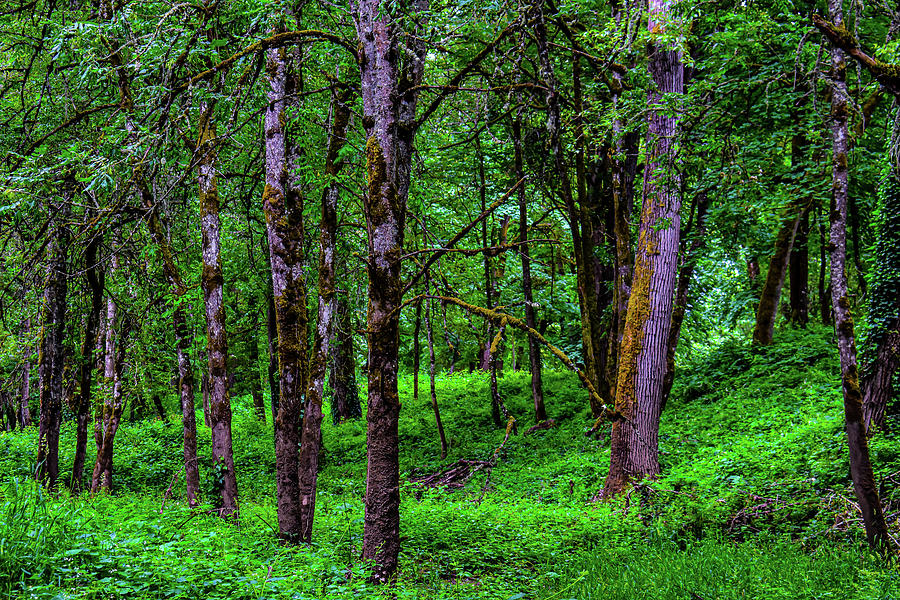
x,y
860,465
272,348
534,348
635,431
213,286
284,229
767,310
51,356
824,300
318,360
679,309
389,110
95,278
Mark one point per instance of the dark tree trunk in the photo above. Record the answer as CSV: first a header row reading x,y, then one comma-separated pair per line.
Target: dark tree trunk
x,y
534,348
634,451
51,357
681,293
318,363
860,464
24,410
389,113
799,273
284,228
95,278
767,311
259,404
824,300
214,303
345,401
431,365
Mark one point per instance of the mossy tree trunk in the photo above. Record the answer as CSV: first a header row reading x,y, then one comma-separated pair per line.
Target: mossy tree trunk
x,y
95,279
284,228
860,464
634,452
318,362
213,286
389,116
51,361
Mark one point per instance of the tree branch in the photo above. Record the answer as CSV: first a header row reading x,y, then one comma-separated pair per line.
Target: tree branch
x,y
887,74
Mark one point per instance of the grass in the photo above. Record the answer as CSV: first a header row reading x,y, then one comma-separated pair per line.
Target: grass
x,y
752,503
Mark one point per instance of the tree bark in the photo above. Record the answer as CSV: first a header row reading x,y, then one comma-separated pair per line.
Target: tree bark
x,y
634,452
389,115
272,348
799,273
213,299
51,356
112,407
534,348
259,404
860,465
318,362
284,229
94,276
681,294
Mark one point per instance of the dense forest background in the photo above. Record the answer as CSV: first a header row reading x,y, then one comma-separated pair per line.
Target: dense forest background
x,y
471,299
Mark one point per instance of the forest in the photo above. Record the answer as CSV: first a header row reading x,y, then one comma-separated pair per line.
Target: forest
x,y
493,299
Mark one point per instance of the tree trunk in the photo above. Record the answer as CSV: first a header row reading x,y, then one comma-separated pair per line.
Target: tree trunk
x,y
681,294
642,363
860,464
318,362
799,273
51,357
272,348
95,279
214,304
24,410
284,229
824,300
389,113
766,312
259,404
113,405
534,348
345,401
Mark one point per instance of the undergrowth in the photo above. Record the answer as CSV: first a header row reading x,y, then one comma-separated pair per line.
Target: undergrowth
x,y
754,501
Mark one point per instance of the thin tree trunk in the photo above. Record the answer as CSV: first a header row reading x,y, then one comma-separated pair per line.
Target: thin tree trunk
x,y
824,300
259,405
50,359
214,304
389,114
799,274
860,464
766,312
112,409
95,279
345,401
534,348
318,362
634,452
24,410
272,338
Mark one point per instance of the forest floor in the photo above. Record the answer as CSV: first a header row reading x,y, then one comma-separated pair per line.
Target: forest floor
x,y
754,501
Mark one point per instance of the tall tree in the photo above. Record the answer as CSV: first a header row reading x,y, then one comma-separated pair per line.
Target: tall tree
x,y
634,451
860,464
